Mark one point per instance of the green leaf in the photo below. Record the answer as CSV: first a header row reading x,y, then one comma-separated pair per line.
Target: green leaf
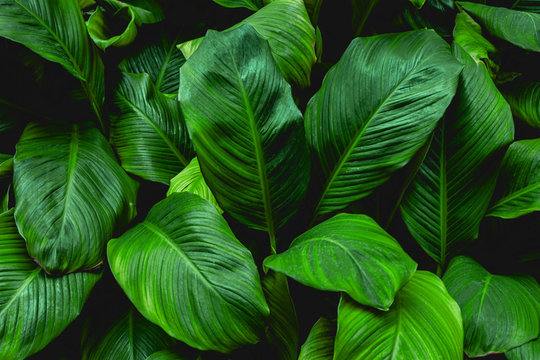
x,y
6,166
320,342
468,34
348,253
164,355
423,323
245,127
518,27
250,4
376,107
55,29
453,187
86,3
102,26
530,350
214,299
189,47
70,194
418,3
34,308
519,181
161,60
145,11
524,99
313,8
131,337
499,312
191,180
148,130
282,322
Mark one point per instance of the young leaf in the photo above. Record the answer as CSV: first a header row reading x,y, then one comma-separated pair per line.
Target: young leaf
x,y
320,342
185,252
70,195
148,130
100,24
423,323
524,99
452,189
348,253
530,350
499,312
34,308
245,127
375,109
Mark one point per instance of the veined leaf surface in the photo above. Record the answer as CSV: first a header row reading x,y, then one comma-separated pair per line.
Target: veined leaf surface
x,y
99,27
164,355
524,99
320,342
250,4
530,350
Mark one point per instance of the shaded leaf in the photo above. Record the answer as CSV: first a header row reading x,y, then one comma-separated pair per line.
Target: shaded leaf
x,y
320,342
250,4
524,99
6,166
164,355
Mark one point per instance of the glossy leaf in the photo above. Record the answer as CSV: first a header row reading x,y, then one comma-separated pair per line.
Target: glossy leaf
x,y
468,34
164,355
70,195
185,252
320,342
349,253
376,107
245,127
34,308
524,99
424,323
250,4
6,166
530,350
145,11
313,8
499,312
148,130
452,189
518,27
101,24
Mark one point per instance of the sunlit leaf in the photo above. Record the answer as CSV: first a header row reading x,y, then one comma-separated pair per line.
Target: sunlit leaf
x,y
320,342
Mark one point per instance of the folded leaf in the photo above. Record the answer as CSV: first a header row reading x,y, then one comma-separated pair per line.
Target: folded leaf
x,y
101,24
320,342
530,350
499,312
245,127
250,4
70,195
349,253
452,189
376,107
185,252
34,308
524,99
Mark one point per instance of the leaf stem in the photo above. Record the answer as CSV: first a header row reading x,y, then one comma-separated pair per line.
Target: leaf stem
x,y
272,243
439,270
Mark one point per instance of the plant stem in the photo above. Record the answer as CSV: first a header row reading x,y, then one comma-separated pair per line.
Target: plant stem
x,y
272,243
439,270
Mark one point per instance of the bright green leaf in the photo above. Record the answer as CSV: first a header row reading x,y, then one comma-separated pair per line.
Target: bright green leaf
x,y
101,23
468,34
164,355
313,8
524,99
418,3
250,4
530,350
145,11
320,342
83,4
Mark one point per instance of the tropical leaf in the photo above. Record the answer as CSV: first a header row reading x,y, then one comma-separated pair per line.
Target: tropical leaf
x,y
320,342
70,194
101,24
524,99
282,322
250,4
55,29
148,130
164,355
6,166
214,296
451,192
348,253
145,11
499,312
245,127
424,323
34,308
519,181
313,8
418,3
375,109
530,350
468,35
518,27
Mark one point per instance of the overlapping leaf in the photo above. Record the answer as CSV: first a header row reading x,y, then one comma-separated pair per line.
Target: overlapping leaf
x,y
452,189
423,323
185,271
499,312
250,4
468,34
70,195
530,350
524,99
245,127
320,342
375,109
100,27
164,355
34,308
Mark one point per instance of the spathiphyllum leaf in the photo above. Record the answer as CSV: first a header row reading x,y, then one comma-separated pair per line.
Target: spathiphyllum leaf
x,y
524,99
519,181
518,27
320,342
468,34
34,308
349,253
245,127
70,195
453,187
6,166
100,26
499,312
146,11
375,109
250,4
55,29
148,130
424,323
530,350
185,252
164,355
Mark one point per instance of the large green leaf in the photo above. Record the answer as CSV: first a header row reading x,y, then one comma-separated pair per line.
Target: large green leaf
x,y
70,194
530,350
519,181
468,34
320,342
499,312
34,308
348,253
148,130
524,99
250,4
245,127
518,27
375,109
452,189
131,337
185,271
55,29
424,323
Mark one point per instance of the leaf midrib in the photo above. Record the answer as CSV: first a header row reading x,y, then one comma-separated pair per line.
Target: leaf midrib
x,y
33,274
72,163
515,195
166,61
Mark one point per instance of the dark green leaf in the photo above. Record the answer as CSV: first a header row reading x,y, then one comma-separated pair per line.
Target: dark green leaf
x,y
530,350
250,4
164,355
524,99
320,342
6,166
